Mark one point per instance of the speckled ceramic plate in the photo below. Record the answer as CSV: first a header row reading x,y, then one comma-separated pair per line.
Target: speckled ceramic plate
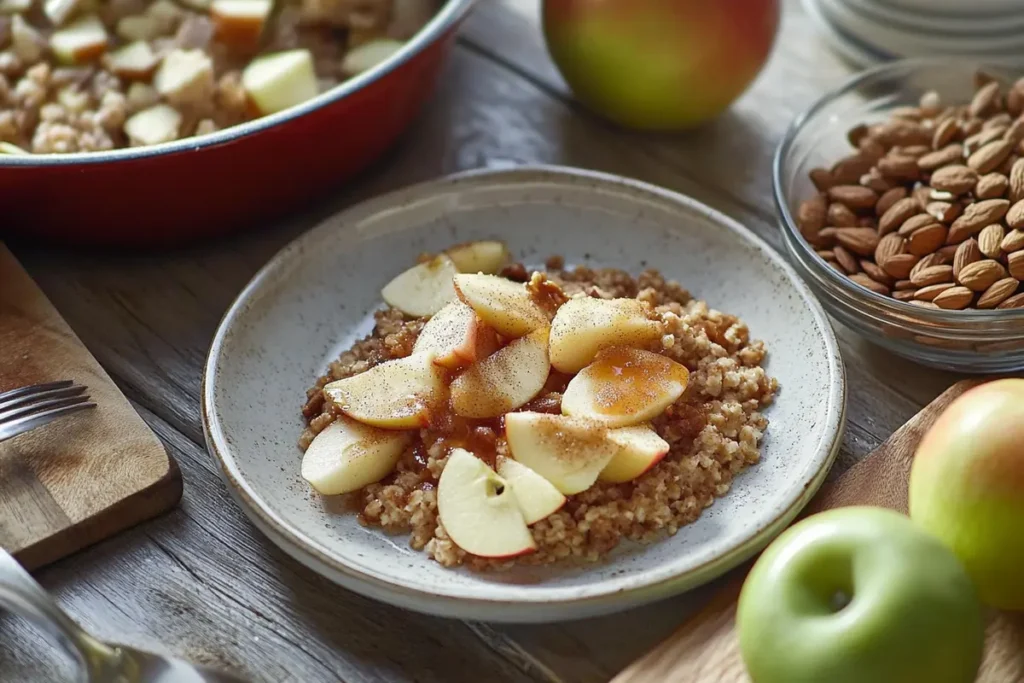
x,y
316,296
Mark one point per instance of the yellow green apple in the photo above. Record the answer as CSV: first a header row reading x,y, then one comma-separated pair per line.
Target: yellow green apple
x,y
859,595
967,487
659,64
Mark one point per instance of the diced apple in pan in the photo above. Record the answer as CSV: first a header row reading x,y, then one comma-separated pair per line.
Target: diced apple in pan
x,y
624,387
134,61
505,380
185,77
81,41
10,148
479,509
423,289
280,80
59,11
482,256
159,123
456,337
368,55
348,455
503,304
537,497
569,452
239,23
585,325
397,394
640,449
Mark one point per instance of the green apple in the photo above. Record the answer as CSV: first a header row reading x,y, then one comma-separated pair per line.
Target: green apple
x,y
967,487
859,595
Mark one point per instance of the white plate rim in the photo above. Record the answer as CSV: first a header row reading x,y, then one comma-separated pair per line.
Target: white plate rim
x,y
587,600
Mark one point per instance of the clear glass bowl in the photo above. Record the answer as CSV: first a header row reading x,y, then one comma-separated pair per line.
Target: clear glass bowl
x,y
966,341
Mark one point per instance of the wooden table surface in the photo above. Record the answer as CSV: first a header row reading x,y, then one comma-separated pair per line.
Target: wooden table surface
x,y
202,582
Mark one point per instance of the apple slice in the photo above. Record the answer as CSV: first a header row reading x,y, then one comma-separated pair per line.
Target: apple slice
x,y
424,289
625,387
58,11
9,148
479,510
185,77
585,325
347,455
15,6
368,55
81,41
397,394
135,61
27,43
239,23
483,256
159,123
503,304
138,27
570,452
281,80
504,381
640,449
537,497
456,337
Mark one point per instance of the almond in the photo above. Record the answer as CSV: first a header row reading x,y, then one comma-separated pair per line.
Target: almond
x,y
931,291
889,245
947,252
840,216
1015,102
822,178
1015,215
991,186
976,216
827,236
858,240
901,167
1007,166
967,253
922,304
1015,133
1015,301
986,99
945,133
932,275
981,275
915,223
835,266
970,127
1000,291
930,103
927,239
922,193
904,295
888,199
902,132
989,156
1002,120
926,262
810,216
826,254
875,272
906,112
1017,181
854,196
848,170
944,212
950,154
954,298
1014,241
872,149
989,240
904,285
874,180
899,266
915,151
1016,264
897,214
956,179
856,134
865,281
846,260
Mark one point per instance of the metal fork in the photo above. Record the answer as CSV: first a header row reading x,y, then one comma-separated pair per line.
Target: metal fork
x,y
30,407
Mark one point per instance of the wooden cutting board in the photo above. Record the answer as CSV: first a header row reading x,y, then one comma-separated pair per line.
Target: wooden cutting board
x,y
705,649
86,476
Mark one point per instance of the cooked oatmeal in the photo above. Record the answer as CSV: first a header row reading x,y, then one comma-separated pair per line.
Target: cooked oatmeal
x,y
713,429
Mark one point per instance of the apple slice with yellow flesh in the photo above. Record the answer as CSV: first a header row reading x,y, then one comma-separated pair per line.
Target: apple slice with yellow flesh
x,y
347,455
134,61
239,23
501,303
81,41
585,325
280,80
624,387
537,497
640,449
153,125
479,509
368,55
397,394
456,337
482,256
569,452
423,289
505,380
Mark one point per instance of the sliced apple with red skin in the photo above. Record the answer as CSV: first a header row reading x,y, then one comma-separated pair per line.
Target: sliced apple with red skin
x,y
240,23
501,303
479,510
423,289
624,387
640,449
585,325
81,41
280,80
537,497
482,256
397,394
348,455
456,337
505,380
135,61
569,452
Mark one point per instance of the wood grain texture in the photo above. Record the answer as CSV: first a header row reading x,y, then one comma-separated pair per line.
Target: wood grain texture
x,y
83,477
705,648
228,596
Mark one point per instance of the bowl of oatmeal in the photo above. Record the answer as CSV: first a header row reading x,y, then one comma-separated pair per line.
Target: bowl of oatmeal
x,y
218,112
524,395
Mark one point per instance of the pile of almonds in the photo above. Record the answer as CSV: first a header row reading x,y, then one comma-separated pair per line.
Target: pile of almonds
x,y
930,208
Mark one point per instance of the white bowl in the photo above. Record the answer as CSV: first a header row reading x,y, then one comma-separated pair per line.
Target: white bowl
x,y
318,294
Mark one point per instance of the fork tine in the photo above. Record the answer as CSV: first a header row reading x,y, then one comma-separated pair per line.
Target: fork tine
x,y
35,388
39,406
40,394
24,424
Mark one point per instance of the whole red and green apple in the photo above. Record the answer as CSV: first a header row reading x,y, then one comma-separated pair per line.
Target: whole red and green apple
x,y
659,64
859,595
967,487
